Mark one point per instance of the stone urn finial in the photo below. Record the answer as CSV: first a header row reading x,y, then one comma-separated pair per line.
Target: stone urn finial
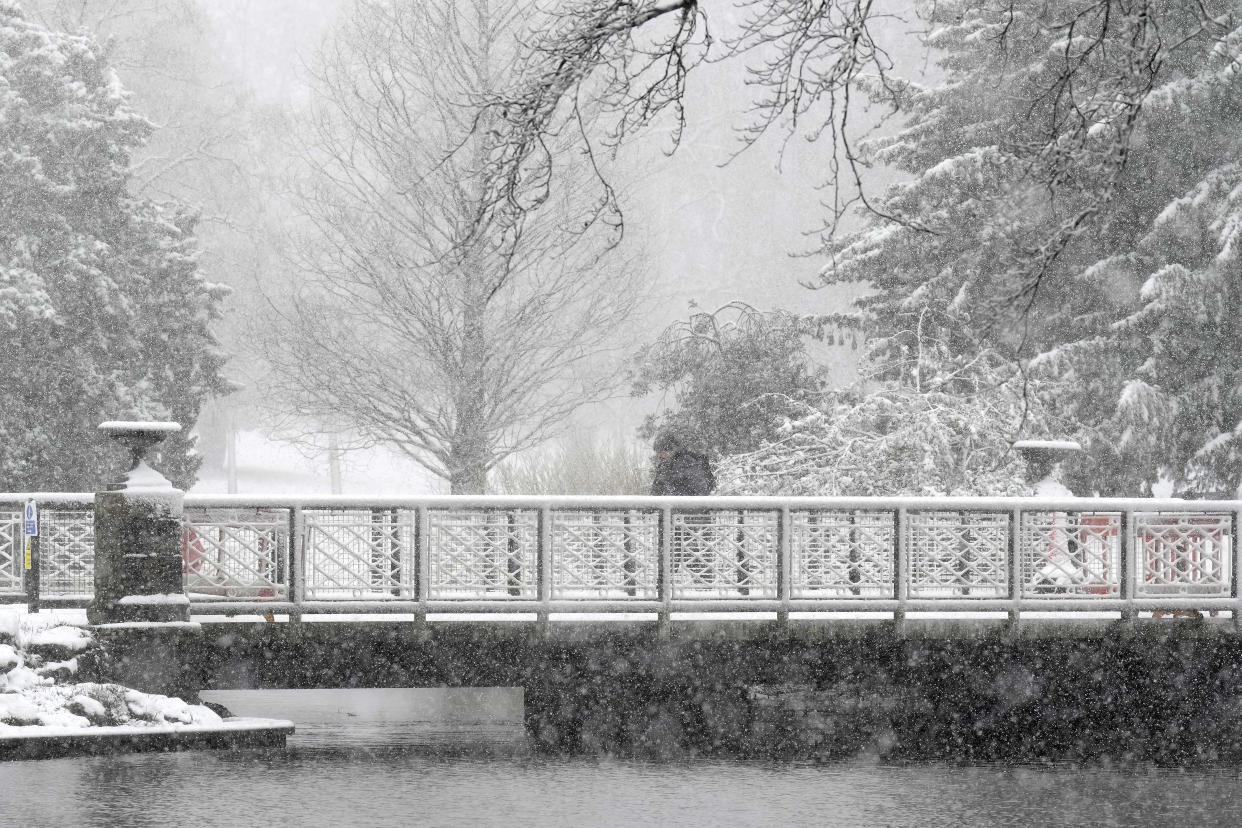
x,y
1042,459
139,573
139,437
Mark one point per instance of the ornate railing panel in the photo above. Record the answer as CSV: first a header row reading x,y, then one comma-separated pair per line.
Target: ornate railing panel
x,y
724,553
605,554
959,553
1184,554
483,553
357,553
842,554
66,552
236,553
1071,553
12,551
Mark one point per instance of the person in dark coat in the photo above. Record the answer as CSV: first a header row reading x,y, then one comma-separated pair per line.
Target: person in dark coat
x,y
680,471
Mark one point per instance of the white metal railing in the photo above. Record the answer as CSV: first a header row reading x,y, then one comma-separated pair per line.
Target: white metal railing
x,y
547,555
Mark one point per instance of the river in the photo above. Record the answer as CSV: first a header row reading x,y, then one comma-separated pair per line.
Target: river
x,y
436,757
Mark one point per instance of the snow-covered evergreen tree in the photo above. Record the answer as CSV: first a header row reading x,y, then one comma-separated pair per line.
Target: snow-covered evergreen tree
x,y
1179,409
1070,204
103,310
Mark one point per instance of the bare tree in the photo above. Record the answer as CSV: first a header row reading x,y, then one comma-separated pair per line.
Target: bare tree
x,y
411,323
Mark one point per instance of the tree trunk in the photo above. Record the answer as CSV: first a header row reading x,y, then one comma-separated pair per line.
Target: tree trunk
x,y
468,461
470,448
468,481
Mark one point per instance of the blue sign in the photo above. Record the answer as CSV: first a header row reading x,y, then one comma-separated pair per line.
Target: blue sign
x,y
32,519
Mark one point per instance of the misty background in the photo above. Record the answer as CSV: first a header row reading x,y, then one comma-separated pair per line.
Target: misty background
x,y
227,84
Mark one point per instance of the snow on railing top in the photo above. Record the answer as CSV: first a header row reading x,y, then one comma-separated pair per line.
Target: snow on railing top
x,y
64,498
118,426
1049,445
610,502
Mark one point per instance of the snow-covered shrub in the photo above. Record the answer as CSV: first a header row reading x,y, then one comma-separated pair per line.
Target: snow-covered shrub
x,y
734,375
8,658
886,443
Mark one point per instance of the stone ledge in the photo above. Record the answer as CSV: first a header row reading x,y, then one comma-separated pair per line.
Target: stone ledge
x,y
232,734
724,630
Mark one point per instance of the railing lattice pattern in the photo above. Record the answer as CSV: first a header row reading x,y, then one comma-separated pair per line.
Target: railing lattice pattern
x,y
483,553
1071,553
606,554
66,552
1184,554
842,554
236,553
12,556
357,553
959,554
724,554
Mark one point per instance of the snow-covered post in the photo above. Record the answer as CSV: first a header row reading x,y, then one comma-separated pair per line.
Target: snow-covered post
x,y
138,569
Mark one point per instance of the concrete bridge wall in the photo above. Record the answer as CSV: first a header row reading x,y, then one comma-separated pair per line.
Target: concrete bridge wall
x,y
1168,691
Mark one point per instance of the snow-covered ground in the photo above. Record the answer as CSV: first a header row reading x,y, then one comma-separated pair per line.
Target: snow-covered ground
x,y
269,466
40,694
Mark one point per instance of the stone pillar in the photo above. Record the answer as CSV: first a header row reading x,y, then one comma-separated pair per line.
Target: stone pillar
x,y
138,569
1043,460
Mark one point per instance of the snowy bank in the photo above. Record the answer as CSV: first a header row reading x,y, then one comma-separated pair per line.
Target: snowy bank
x,y
45,707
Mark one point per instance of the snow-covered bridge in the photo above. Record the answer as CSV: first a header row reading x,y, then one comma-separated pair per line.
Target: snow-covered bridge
x,y
831,675
550,557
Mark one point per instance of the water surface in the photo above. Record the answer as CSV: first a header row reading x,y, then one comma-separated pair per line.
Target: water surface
x,y
434,757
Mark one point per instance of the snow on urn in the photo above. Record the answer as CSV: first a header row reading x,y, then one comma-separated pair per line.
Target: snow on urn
x,y
1043,460
138,570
